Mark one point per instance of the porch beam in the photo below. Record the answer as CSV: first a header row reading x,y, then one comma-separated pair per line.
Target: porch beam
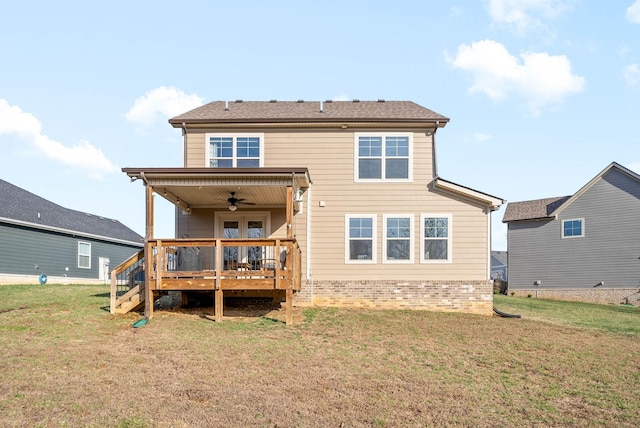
x,y
219,295
289,212
148,254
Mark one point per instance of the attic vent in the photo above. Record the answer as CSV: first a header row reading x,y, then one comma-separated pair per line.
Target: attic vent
x,y
328,101
356,101
380,100
300,101
113,221
273,101
238,101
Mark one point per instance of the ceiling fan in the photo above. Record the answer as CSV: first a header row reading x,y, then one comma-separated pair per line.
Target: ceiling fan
x,y
233,202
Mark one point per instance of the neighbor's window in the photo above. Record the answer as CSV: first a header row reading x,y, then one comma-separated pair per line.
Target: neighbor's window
x,y
398,238
84,255
573,228
360,245
435,243
235,151
383,157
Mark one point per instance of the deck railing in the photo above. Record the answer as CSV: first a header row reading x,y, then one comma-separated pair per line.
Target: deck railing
x,y
228,264
259,266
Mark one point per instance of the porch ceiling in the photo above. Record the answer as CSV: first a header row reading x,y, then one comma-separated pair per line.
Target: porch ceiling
x,y
191,188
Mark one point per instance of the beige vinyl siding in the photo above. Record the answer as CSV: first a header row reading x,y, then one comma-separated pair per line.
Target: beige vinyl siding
x,y
329,157
196,150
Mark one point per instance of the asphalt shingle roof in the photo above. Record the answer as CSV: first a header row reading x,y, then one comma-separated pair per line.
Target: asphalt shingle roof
x,y
529,210
308,111
21,205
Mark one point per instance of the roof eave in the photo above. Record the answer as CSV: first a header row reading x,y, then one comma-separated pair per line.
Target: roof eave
x,y
493,202
69,231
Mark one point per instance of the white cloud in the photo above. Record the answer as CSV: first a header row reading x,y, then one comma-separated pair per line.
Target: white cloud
x,y
633,12
524,15
13,120
537,78
631,74
481,137
161,103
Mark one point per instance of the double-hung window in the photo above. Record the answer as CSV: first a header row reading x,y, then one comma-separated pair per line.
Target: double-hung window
x,y
398,238
84,255
573,228
360,242
383,157
235,151
435,243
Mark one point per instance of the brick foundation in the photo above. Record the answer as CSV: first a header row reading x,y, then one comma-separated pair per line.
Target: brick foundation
x,y
442,296
614,296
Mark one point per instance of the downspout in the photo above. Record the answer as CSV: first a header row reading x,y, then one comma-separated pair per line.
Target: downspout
x,y
433,154
184,144
489,227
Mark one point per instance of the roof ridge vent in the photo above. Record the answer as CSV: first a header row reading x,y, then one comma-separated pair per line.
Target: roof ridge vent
x,y
356,100
238,101
328,101
300,101
273,101
380,100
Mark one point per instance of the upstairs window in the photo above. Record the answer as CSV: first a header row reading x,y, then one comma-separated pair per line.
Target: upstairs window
x,y
435,244
360,245
573,228
84,255
383,157
235,151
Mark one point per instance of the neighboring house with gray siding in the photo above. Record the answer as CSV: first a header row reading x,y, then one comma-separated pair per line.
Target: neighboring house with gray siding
x,y
580,247
40,237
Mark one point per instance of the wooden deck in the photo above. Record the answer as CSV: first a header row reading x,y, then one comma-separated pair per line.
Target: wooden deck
x,y
252,267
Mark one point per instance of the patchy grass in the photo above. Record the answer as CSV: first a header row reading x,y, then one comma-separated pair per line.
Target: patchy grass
x,y
65,361
612,318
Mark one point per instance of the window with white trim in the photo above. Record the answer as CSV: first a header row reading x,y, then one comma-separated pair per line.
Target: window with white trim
x,y
435,238
398,238
235,151
383,157
360,242
84,255
573,228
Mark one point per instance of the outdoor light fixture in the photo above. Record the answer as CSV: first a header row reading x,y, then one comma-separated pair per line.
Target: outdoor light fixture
x,y
233,207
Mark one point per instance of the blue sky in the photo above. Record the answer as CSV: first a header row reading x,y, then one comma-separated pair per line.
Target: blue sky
x,y
542,94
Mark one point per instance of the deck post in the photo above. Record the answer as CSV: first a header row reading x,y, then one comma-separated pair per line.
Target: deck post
x,y
219,295
148,254
288,307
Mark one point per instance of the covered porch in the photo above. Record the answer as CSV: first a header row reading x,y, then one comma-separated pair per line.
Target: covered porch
x,y
261,264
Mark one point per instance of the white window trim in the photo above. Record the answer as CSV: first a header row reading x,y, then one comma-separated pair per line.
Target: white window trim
x,y
449,238
385,217
347,239
575,236
235,137
356,165
78,253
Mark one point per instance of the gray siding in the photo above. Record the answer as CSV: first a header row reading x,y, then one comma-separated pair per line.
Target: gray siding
x,y
22,249
609,251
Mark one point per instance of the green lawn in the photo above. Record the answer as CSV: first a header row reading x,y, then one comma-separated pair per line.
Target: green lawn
x,y
65,361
